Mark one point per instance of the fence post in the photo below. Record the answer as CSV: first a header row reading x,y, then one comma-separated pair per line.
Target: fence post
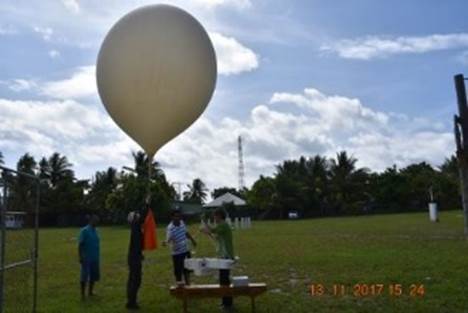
x,y
34,253
461,140
3,206
36,242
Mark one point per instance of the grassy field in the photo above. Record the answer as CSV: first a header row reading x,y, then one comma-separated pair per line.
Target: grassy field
x,y
289,256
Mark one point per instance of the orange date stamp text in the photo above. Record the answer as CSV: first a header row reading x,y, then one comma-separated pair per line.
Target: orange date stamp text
x,y
367,290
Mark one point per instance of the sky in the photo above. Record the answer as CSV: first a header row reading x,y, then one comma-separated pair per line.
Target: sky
x,y
302,77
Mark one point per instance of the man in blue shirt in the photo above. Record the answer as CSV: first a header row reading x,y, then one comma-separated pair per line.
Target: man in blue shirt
x,y
88,251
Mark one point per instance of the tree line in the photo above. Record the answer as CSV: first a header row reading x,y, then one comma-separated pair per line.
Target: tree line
x,y
317,186
111,193
313,186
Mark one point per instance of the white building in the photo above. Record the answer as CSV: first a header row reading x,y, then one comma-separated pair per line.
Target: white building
x,y
225,199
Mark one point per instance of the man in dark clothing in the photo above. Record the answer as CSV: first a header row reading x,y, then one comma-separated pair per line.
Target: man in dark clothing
x,y
135,258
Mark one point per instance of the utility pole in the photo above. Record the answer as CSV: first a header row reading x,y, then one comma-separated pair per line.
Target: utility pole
x,y
241,163
461,141
179,189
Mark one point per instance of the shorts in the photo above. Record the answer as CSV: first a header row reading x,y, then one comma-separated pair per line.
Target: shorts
x,y
90,271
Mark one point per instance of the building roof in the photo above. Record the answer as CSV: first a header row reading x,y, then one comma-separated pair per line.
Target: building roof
x,y
226,198
187,208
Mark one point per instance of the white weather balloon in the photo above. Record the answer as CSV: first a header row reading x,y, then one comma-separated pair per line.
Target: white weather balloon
x,y
156,73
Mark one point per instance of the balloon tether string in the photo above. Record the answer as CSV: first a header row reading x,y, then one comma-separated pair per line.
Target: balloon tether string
x,y
148,188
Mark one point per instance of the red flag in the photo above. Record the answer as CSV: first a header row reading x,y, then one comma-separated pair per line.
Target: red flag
x,y
150,241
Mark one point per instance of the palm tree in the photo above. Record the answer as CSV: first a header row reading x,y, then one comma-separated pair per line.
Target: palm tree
x,y
105,180
347,181
197,192
59,169
104,183
421,178
318,165
343,166
263,196
449,184
23,187
450,167
27,164
290,187
317,173
44,169
141,167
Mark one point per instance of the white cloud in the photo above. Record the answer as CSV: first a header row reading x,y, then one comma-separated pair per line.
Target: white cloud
x,y
321,124
66,126
377,139
53,54
324,125
45,32
81,84
333,109
233,57
59,28
72,5
19,85
383,46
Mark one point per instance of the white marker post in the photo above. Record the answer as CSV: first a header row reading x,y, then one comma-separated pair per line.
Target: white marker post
x,y
433,214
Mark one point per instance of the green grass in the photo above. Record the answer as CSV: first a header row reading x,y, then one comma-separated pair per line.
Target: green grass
x,y
289,256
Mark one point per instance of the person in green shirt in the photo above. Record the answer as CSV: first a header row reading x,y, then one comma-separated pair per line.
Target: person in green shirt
x,y
222,233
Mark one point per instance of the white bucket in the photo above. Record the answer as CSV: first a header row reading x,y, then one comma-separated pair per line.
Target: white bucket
x,y
433,213
240,281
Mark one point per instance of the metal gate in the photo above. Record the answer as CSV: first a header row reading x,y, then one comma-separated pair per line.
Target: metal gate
x,y
19,221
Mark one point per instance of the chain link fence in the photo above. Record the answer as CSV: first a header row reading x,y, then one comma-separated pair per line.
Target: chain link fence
x,y
19,205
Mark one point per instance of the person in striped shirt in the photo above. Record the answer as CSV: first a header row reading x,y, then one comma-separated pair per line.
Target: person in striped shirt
x,y
177,235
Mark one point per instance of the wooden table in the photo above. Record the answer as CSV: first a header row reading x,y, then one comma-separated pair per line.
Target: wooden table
x,y
216,291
